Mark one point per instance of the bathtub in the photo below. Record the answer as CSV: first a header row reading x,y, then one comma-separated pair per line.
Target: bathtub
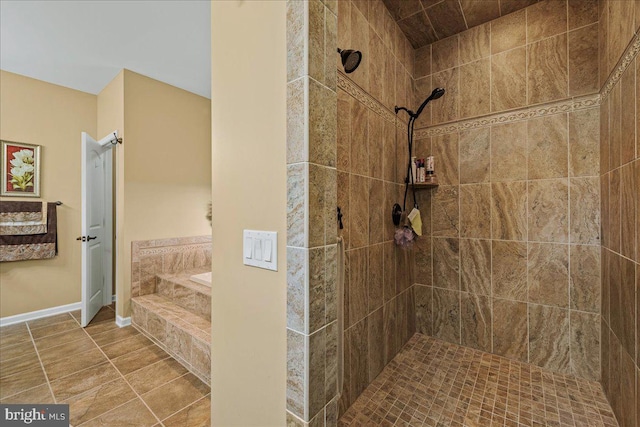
x,y
203,278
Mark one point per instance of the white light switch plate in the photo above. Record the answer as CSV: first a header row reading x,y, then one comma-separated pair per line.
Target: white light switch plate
x,y
260,249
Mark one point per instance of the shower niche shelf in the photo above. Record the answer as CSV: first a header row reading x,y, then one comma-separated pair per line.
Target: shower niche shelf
x,y
424,185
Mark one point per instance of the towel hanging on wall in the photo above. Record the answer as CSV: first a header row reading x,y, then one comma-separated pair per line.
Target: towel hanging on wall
x,y
37,225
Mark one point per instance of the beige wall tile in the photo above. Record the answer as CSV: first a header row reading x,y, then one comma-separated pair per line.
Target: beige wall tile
x,y
509,270
584,206
422,62
546,19
475,88
445,211
446,315
316,376
615,127
359,358
547,74
296,209
316,288
547,141
584,141
475,43
509,79
583,61
315,33
360,37
446,263
376,343
295,40
295,121
424,309
375,279
508,152
359,160
508,32
357,292
627,308
475,155
295,372
475,321
475,211
476,12
445,54
549,337
585,342
509,210
445,109
475,266
375,144
582,12
358,211
548,208
510,333
629,115
614,211
548,274
584,278
322,124
445,152
377,209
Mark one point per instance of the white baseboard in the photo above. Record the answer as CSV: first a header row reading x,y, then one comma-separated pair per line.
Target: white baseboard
x,y
123,321
33,315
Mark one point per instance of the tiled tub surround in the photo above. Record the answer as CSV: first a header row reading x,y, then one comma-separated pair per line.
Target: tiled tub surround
x,y
109,376
171,310
511,264
149,258
620,207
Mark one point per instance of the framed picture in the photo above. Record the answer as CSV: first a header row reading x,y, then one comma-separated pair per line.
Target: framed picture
x,y
20,169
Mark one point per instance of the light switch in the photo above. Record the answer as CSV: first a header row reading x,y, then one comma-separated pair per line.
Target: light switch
x,y
248,247
260,249
267,250
257,249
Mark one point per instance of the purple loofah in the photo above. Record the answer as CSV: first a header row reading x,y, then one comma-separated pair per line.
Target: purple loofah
x,y
404,237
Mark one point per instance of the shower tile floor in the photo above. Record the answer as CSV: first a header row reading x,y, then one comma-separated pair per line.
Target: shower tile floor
x,y
435,383
109,376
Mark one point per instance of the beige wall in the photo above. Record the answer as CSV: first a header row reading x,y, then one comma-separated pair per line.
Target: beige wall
x,y
40,113
167,167
249,192
111,118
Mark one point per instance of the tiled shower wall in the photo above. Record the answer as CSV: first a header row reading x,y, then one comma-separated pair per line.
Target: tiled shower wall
x,y
620,188
512,261
312,329
378,298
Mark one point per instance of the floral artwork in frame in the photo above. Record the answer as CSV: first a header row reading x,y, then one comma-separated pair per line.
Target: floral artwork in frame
x,y
20,169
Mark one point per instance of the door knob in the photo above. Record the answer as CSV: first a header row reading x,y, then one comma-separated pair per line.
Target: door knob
x,y
91,238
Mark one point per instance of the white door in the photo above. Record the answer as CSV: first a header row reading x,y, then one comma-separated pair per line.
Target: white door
x,y
96,226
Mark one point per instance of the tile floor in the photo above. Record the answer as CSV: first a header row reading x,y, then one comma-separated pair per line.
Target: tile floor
x,y
435,383
109,376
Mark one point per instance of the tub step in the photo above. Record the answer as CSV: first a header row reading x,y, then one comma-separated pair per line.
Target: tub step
x,y
183,334
192,296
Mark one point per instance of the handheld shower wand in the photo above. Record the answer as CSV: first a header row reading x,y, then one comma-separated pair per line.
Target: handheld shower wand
x,y
435,94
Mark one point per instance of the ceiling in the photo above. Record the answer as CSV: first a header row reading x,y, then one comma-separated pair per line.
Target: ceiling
x,y
84,44
427,21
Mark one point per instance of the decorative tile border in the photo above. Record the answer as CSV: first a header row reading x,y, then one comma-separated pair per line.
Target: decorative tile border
x,y
632,51
172,249
564,106
367,100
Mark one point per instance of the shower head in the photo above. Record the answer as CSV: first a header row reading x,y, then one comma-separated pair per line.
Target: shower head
x,y
350,59
437,93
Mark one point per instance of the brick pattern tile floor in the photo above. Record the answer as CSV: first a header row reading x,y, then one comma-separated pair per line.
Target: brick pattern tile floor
x,y
435,383
109,376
